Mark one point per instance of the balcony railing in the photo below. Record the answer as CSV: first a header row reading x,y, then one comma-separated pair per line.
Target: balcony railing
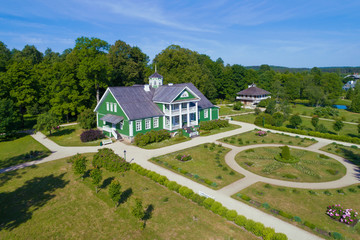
x,y
251,98
177,111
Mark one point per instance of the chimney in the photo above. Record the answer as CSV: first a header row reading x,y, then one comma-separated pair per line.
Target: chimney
x,y
146,87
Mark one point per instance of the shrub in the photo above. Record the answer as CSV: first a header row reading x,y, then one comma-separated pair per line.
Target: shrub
x,y
151,137
324,156
173,186
309,225
237,106
87,119
245,197
222,211
336,235
250,225
285,153
186,192
265,205
208,203
240,220
285,214
258,229
74,158
91,135
112,162
215,206
214,124
268,233
231,215
198,199
297,219
279,236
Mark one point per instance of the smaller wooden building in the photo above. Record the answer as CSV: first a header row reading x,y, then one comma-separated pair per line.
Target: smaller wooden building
x,y
251,96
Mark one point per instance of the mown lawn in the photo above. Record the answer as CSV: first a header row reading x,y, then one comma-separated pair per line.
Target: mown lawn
x,y
21,149
250,138
219,130
309,205
311,167
165,143
228,110
49,202
207,166
70,136
249,118
350,153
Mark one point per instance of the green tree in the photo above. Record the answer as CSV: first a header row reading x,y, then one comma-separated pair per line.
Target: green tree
x,y
47,122
285,152
315,121
79,166
295,121
278,119
5,56
9,117
237,106
87,119
96,175
355,103
138,210
358,127
115,192
321,128
338,125
271,107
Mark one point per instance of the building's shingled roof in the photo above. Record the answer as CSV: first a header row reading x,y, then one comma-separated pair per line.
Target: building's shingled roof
x,y
138,103
156,75
253,91
112,118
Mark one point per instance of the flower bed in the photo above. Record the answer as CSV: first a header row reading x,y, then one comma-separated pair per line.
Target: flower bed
x,y
183,158
261,133
347,216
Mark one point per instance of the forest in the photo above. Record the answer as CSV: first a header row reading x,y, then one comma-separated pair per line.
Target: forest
x,y
67,83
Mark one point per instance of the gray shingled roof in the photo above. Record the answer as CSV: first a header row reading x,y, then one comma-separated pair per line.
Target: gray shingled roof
x,y
136,102
253,91
112,118
156,75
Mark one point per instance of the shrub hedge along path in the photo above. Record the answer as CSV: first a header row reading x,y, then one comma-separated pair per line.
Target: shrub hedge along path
x,y
141,156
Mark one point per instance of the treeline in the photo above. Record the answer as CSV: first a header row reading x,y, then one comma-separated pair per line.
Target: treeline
x,y
68,83
342,71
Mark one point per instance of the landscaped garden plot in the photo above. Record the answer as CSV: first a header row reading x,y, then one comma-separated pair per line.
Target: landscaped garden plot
x,y
20,150
70,136
219,130
311,167
305,208
249,118
207,165
349,153
167,142
50,202
261,137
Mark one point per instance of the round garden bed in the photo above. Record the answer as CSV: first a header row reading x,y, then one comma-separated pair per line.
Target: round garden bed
x,y
308,167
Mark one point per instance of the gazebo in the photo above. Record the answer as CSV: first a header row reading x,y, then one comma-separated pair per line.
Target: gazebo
x,y
251,96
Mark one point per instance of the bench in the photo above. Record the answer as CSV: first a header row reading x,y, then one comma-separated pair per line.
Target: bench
x,y
107,141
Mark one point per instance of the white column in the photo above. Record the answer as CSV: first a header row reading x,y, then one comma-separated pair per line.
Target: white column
x,y
164,115
210,114
188,114
131,129
197,113
180,117
170,114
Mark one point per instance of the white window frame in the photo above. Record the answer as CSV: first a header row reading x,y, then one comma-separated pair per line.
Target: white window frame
x,y
148,123
185,94
206,113
155,122
138,125
107,106
121,125
115,107
111,107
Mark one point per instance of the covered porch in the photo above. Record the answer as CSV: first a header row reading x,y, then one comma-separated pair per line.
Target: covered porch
x,y
110,122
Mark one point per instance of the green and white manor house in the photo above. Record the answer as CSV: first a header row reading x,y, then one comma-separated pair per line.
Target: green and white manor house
x,y
123,112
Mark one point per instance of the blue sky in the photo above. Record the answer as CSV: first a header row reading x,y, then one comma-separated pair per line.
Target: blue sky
x,y
285,33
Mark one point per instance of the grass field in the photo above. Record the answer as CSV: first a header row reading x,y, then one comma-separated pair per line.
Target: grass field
x,y
19,150
249,138
165,143
70,136
310,168
350,153
249,118
208,162
228,110
49,202
309,205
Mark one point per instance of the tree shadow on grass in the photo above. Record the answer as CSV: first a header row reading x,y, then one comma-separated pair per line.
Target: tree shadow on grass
x,y
62,132
352,158
148,214
106,182
125,195
18,206
7,176
26,157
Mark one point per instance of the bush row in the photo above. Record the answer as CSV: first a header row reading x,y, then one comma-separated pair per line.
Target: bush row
x,y
255,227
214,124
287,215
142,139
112,162
316,134
91,135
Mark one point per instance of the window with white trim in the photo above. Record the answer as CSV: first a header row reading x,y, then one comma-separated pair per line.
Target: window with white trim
x,y
111,107
147,123
138,125
156,122
115,107
206,113
121,125
107,106
184,94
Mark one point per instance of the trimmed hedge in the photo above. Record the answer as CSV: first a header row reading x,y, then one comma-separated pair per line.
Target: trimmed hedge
x,y
214,124
106,158
255,227
142,139
316,134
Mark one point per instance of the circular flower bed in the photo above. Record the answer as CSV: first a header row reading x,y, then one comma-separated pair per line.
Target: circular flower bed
x,y
261,133
347,216
183,158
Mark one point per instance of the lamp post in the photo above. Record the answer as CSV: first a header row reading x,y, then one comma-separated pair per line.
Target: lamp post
x,y
125,155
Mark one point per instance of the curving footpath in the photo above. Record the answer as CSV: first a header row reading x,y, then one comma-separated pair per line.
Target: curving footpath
x,y
141,156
